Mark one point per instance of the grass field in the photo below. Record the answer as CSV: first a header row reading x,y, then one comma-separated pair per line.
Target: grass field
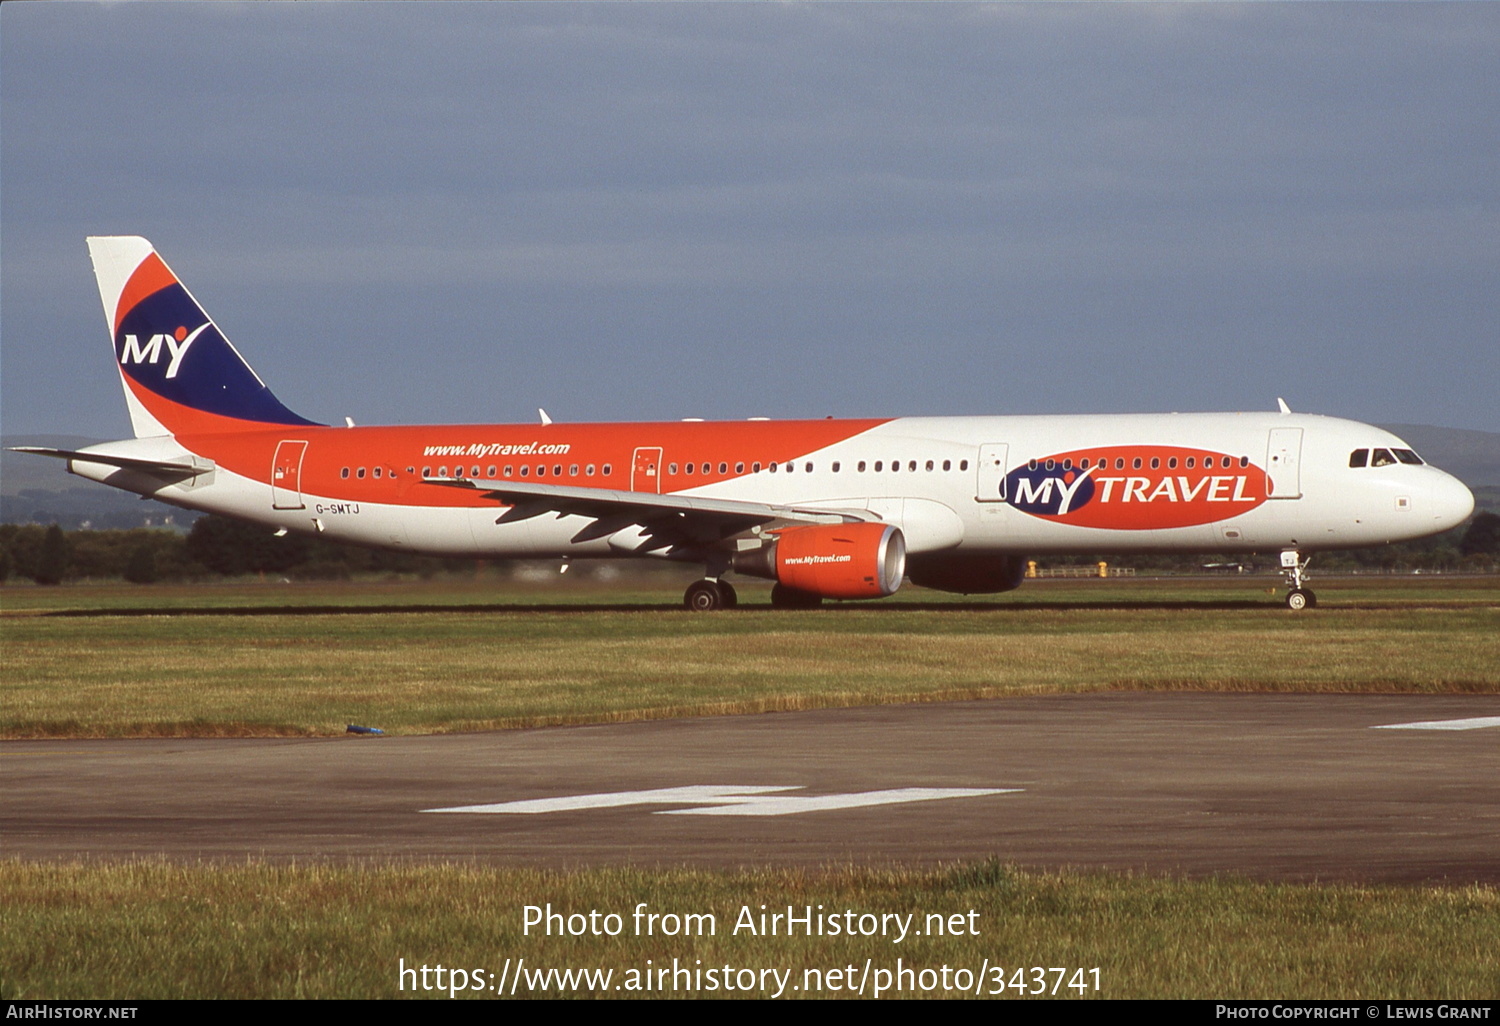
x,y
152,930
278,660
267,659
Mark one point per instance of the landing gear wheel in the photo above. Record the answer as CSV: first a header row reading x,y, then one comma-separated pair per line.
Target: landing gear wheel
x,y
731,597
783,597
1299,599
1294,569
704,596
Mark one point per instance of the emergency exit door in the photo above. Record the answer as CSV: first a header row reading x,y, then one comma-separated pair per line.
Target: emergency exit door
x,y
645,471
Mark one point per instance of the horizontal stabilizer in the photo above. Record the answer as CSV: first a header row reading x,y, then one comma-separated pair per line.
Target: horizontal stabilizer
x,y
162,468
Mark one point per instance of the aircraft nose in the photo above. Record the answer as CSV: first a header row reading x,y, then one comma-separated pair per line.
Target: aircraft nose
x,y
1451,500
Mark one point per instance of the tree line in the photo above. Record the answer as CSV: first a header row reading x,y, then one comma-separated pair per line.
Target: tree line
x,y
220,547
215,547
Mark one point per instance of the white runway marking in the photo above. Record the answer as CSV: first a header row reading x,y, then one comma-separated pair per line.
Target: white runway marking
x,y
728,800
786,805
1476,723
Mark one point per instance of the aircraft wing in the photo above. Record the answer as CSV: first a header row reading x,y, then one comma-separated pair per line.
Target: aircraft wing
x,y
671,518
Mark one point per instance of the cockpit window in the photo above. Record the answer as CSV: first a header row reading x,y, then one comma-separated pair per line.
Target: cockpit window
x,y
1407,456
1359,457
1382,458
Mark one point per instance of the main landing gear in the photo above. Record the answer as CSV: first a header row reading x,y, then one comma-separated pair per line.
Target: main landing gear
x,y
1294,569
707,595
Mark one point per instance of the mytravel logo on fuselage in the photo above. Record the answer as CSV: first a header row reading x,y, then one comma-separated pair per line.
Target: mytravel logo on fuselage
x,y
1137,487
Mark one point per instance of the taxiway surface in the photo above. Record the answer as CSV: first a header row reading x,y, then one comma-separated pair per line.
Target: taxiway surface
x,y
1289,787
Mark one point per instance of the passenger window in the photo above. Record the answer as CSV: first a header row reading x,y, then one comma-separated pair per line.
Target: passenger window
x,y
442,471
1119,462
1156,463
739,468
1244,461
755,467
525,470
491,470
878,465
510,471
860,466
557,470
963,464
807,467
911,465
1359,457
1136,463
344,472
426,471
929,465
541,470
360,473
1032,465
947,464
895,466
606,470
473,473
1191,462
1172,463
573,470
835,466
588,471
672,469
1051,464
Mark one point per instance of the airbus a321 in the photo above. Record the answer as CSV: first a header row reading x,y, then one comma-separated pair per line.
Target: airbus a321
x,y
827,509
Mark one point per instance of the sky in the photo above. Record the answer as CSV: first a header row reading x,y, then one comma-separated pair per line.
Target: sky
x,y
452,212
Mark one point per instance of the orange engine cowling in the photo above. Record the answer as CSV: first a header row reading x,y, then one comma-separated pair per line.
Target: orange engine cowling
x,y
845,561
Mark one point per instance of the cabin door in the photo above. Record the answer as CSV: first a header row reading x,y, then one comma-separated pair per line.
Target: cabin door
x,y
1284,464
286,476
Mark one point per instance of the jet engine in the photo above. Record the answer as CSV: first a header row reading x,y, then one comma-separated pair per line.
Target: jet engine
x,y
843,561
968,574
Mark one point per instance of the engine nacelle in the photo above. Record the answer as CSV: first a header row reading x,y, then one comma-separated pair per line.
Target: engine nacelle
x,y
843,561
968,574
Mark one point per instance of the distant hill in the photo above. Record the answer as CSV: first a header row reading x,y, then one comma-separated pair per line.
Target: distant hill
x,y
1471,456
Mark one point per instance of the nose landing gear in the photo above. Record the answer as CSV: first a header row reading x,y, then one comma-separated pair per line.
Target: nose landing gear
x,y
1294,569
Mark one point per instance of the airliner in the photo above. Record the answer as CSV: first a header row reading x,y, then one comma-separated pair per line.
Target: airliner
x,y
827,509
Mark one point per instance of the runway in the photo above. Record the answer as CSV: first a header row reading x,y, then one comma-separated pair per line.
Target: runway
x,y
1281,787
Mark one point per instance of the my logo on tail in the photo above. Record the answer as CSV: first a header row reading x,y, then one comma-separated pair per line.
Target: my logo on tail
x,y
177,345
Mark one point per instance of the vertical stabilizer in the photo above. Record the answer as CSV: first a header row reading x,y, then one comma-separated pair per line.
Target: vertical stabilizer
x,y
180,374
